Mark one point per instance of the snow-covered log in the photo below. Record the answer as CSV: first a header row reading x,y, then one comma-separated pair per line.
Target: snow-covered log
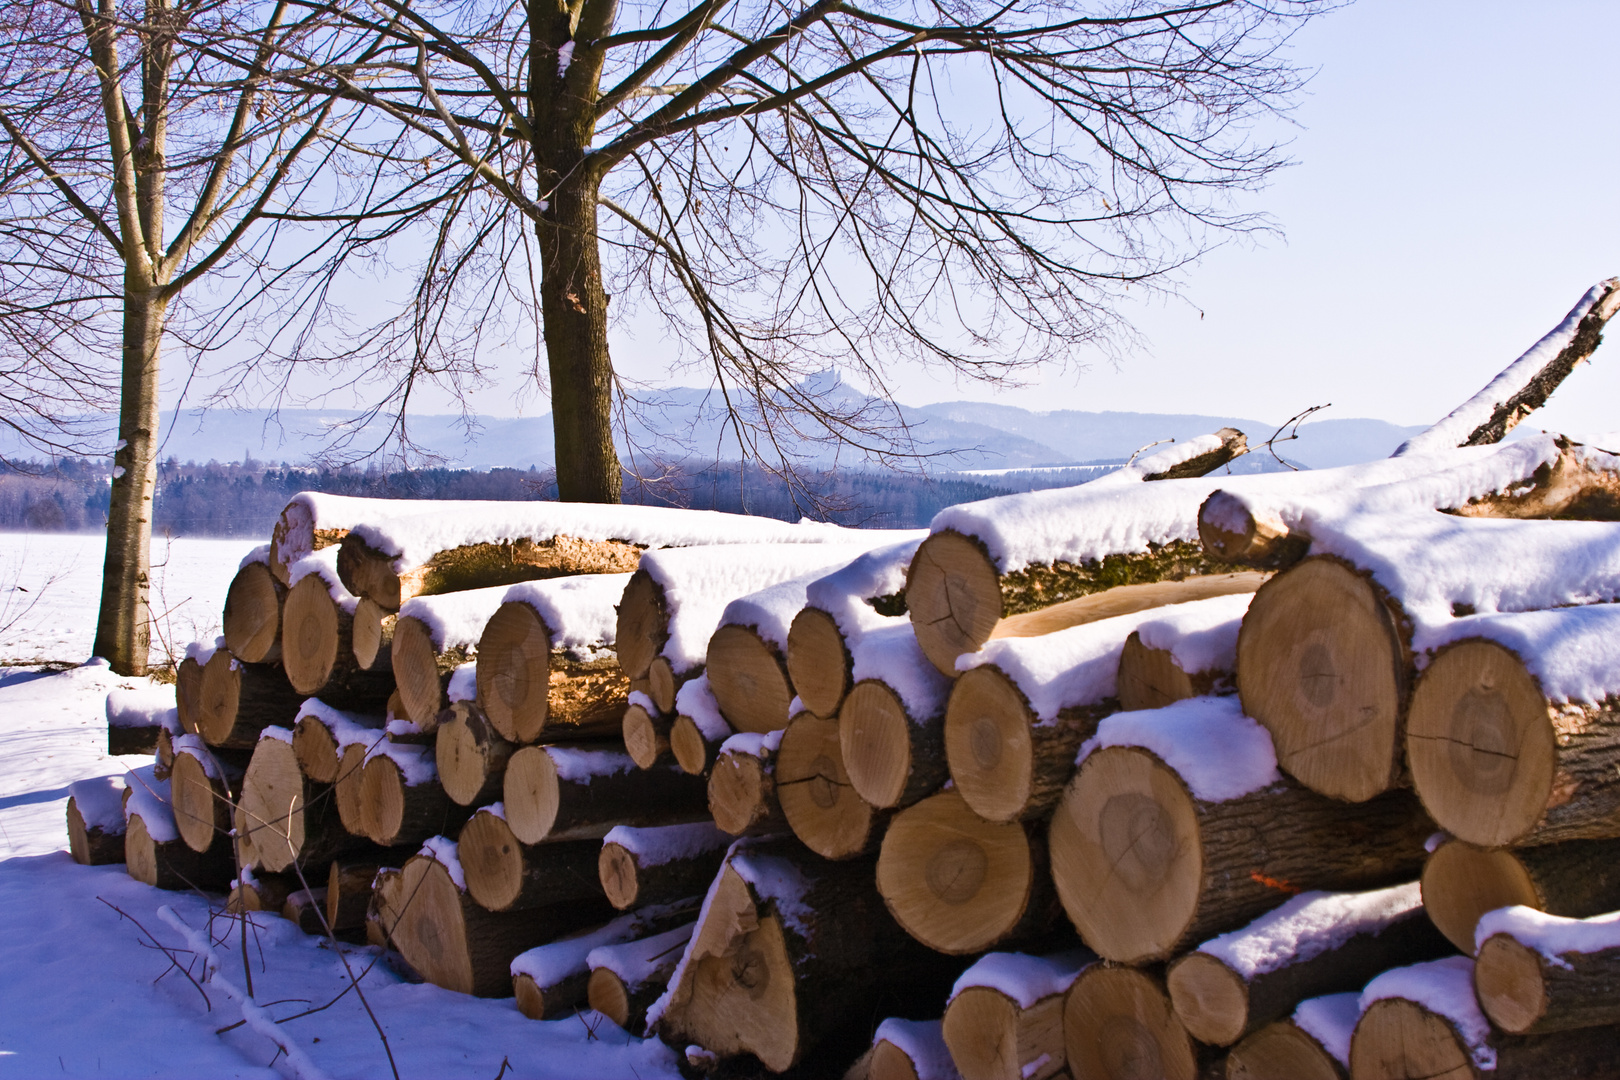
x,y
1524,385
1514,730
282,817
317,640
659,865
788,947
1538,973
252,617
891,725
188,686
1004,1020
505,874
646,730
960,884
306,909
551,981
1312,1044
321,733
1423,1021
453,942
1316,943
628,977
1574,879
906,1050
470,754
259,891
434,636
401,798
153,851
1118,1019
201,789
1177,826
95,821
136,717
1186,650
235,701
313,521
815,794
577,793
742,785
698,730
1329,648
1023,706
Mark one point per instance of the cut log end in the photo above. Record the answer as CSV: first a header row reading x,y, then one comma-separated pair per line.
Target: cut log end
x,y
316,749
643,624
741,793
693,752
988,745
874,736
531,1002
471,756
1118,1025
417,666
270,813
1281,1051
514,671
619,874
1150,678
818,662
1462,882
1210,999
749,680
646,736
252,618
1398,1039
309,634
989,1036
815,794
662,684
201,804
492,860
430,930
953,594
531,794
372,636
608,995
1509,983
91,846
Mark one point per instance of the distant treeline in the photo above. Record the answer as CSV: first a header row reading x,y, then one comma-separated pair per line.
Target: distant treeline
x,y
244,498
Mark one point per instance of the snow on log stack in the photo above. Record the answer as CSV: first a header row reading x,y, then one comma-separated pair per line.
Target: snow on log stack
x,y
1273,776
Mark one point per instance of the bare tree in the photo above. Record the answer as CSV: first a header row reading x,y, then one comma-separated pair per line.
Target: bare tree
x,y
968,184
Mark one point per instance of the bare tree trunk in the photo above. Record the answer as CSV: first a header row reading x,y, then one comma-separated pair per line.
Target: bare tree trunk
x,y
124,629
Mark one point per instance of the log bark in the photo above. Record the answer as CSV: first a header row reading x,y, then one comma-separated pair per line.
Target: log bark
x,y
551,982
1498,763
283,817
1153,678
659,865
170,864
960,884
307,525
530,692
252,618
819,663
761,978
306,909
565,793
471,755
383,579
1220,1004
236,701
646,733
402,801
1398,1039
261,892
1283,1051
93,845
626,979
1525,992
349,885
815,794
136,730
742,790
317,650
893,758
1145,869
504,874
372,636
1462,882
748,676
1118,1025
454,943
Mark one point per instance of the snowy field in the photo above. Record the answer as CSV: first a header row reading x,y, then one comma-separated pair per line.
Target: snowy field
x,y
85,989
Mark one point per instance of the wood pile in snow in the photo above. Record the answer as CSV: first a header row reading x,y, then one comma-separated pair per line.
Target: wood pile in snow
x,y
1175,774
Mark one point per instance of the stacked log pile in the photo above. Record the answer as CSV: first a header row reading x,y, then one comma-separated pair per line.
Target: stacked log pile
x,y
1168,775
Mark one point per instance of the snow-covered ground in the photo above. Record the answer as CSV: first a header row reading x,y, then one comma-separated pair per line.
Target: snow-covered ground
x,y
85,989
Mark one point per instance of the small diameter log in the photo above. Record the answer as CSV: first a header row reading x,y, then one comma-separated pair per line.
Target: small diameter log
x,y
346,788
742,787
282,817
455,943
819,664
893,758
572,793
504,874
187,693
531,691
1150,859
1313,1044
1005,1017
642,628
163,760
252,619
263,891
627,978
1189,651
432,638
1462,882
906,1050
95,821
349,887
169,863
201,790
1497,762
401,799
1315,944
698,731
321,733
470,754
664,682
551,981
306,909
659,865
1118,1025
1423,1023
391,580
815,794
372,636
960,884
317,647
236,701
749,679
646,730
137,718
312,522
789,947
1536,974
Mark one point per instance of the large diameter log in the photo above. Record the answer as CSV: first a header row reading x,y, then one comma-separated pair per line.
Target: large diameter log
x,y
1118,1025
893,758
1317,943
236,701
312,521
321,734
572,793
1145,868
169,863
470,754
815,794
742,787
1005,1017
283,817
95,821
659,865
551,981
788,948
317,649
960,884
749,679
629,977
531,691
1496,762
201,792
1462,882
1313,1044
505,874
1536,974
455,943
137,718
252,618
401,799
